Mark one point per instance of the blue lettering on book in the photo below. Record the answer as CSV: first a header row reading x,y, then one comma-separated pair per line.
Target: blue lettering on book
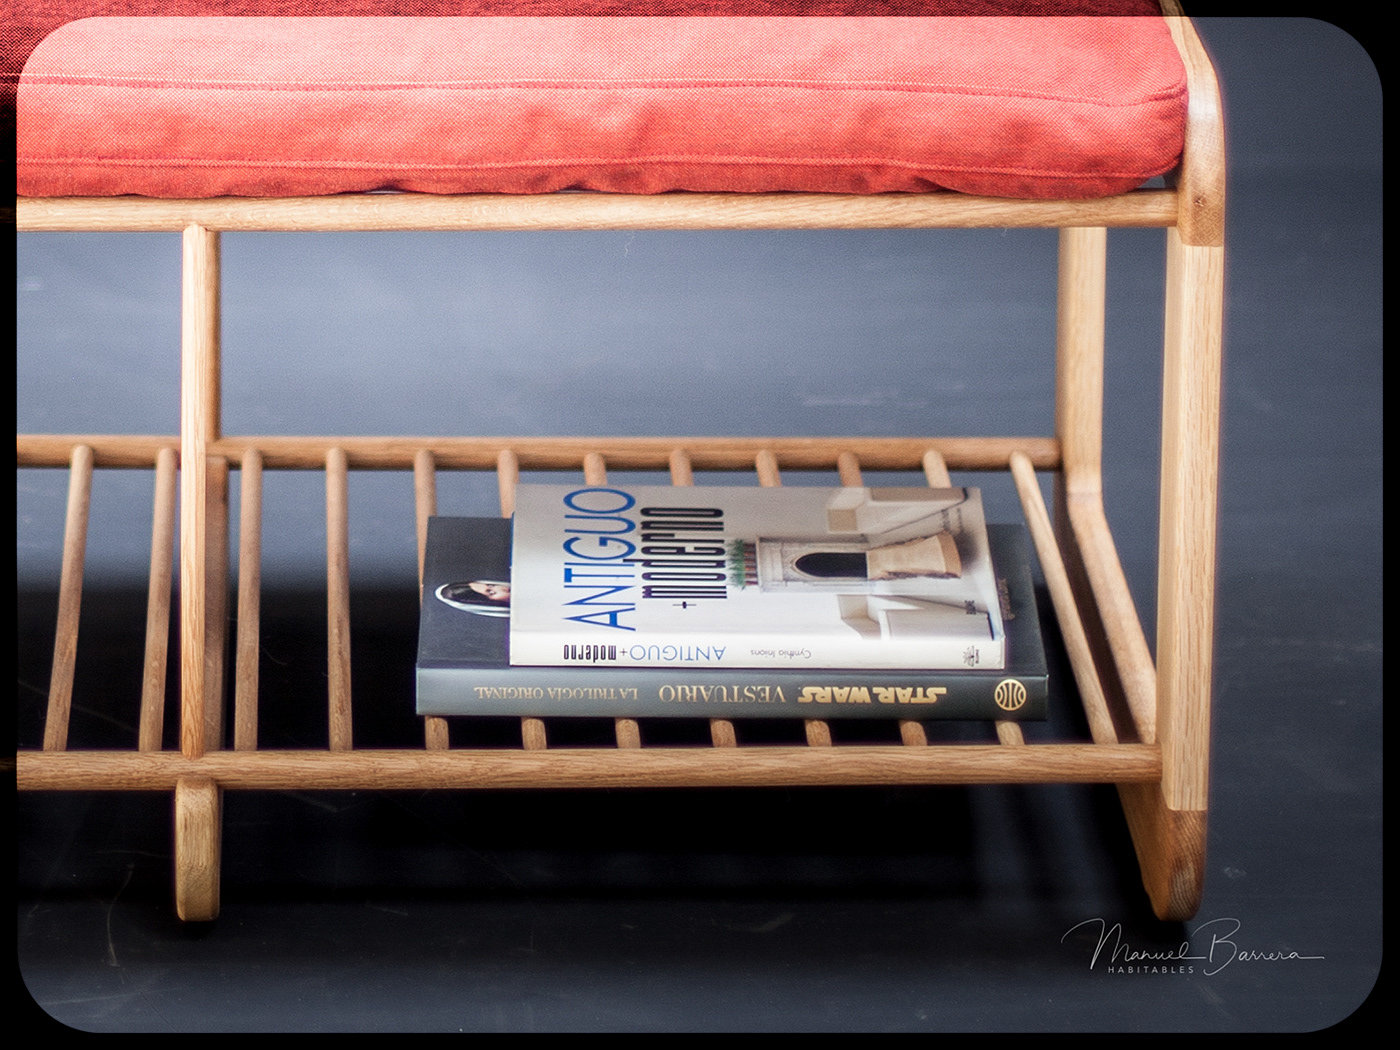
x,y
651,654
675,551
597,554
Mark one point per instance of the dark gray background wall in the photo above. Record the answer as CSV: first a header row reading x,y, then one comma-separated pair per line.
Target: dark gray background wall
x,y
914,910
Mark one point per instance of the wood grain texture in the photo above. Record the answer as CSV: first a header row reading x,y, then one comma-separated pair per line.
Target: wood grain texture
x,y
339,714
1079,354
246,670
70,598
1188,508
455,452
1171,850
1201,179
158,603
199,425
592,211
198,834
702,766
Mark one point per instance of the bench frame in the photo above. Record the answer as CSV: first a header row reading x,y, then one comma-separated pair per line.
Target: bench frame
x,y
1148,717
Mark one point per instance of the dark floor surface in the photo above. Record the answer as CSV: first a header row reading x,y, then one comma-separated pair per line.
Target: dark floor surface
x,y
916,909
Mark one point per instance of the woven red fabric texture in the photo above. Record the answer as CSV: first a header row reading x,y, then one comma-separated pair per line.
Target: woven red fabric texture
x,y
23,23
194,107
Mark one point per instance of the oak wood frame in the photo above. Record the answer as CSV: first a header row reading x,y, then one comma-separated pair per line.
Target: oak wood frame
x,y
1148,717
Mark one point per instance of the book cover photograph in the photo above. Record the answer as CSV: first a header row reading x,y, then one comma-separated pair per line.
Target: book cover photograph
x,y
752,577
464,666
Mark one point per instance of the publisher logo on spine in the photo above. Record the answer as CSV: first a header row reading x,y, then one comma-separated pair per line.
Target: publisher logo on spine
x,y
1010,694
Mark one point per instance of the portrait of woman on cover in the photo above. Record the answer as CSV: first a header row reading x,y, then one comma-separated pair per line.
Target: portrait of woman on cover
x,y
480,597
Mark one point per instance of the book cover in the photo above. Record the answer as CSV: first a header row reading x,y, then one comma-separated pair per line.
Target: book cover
x,y
464,666
752,577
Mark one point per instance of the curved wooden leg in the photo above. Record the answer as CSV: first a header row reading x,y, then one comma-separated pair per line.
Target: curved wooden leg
x,y
198,831
1171,848
1174,815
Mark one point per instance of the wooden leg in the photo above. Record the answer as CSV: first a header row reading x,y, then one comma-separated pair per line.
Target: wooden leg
x,y
198,830
199,425
1168,822
1171,846
1186,554
203,568
1169,703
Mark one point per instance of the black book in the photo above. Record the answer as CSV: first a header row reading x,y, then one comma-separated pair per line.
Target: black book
x,y
464,663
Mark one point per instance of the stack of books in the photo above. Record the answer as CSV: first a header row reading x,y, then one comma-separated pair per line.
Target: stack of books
x,y
730,602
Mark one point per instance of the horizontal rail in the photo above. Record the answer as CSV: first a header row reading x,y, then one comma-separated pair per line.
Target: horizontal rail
x,y
754,766
591,211
552,453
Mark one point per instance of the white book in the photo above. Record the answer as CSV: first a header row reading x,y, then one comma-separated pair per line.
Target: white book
x,y
707,576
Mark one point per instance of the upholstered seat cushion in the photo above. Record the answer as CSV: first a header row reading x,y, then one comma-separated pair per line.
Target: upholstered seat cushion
x,y
210,106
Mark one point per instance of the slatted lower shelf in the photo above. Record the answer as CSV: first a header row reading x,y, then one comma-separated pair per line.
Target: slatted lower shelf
x,y
227,752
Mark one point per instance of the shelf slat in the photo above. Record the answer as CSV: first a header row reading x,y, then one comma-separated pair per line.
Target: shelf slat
x,y
70,597
754,766
158,603
338,600
245,677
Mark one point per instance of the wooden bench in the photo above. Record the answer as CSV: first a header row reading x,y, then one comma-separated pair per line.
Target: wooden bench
x,y
208,125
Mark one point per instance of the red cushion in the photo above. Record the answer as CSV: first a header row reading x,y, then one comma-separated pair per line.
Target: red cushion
x,y
195,107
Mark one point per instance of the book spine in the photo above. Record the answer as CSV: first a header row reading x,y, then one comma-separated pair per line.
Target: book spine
x,y
767,652
545,691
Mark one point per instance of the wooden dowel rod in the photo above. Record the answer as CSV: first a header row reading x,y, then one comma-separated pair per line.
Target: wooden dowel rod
x,y
308,452
436,735
134,451
1118,614
158,603
595,468
424,502
1009,733
245,669
70,599
602,211
1079,356
817,731
1081,658
848,469
199,427
936,469
418,769
765,464
722,733
216,585
507,465
681,468
338,600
